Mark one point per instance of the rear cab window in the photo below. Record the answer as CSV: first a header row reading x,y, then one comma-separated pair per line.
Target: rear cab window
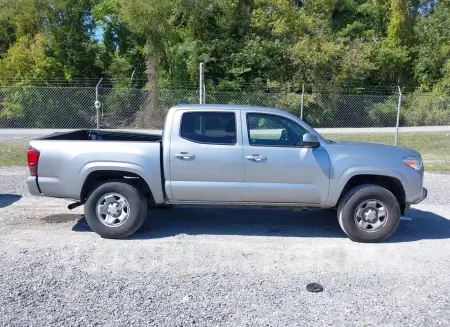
x,y
209,127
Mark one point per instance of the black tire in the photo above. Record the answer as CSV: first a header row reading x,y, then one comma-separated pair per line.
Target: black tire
x,y
347,209
137,214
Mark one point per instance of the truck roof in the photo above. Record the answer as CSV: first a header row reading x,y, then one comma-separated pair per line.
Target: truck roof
x,y
222,107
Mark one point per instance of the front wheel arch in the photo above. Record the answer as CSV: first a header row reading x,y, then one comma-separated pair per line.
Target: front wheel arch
x,y
392,184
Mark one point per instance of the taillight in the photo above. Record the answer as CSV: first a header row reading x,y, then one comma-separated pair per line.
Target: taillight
x,y
33,158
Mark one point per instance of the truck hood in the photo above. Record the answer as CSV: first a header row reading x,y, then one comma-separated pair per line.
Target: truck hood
x,y
378,146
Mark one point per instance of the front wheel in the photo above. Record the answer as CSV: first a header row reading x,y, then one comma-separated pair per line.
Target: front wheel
x,y
369,213
115,209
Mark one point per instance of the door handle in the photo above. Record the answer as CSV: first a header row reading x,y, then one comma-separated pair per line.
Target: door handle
x,y
256,157
184,155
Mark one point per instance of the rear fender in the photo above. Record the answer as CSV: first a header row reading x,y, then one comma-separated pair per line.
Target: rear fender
x,y
152,178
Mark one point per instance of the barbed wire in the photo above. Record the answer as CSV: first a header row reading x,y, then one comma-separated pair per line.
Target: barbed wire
x,y
268,87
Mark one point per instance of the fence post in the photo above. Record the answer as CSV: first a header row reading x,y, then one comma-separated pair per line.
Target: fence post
x,y
202,83
301,106
131,78
398,114
97,103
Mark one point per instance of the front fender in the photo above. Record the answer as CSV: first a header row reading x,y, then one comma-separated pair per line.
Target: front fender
x,y
342,179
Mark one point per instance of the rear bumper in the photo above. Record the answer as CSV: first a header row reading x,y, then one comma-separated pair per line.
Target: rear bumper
x,y
32,186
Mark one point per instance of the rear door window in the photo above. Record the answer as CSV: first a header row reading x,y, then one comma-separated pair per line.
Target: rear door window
x,y
209,127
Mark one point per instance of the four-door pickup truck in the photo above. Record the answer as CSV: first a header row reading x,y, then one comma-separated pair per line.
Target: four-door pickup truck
x,y
226,155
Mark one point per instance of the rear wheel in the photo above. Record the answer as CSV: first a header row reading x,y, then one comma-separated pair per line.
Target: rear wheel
x,y
115,209
369,213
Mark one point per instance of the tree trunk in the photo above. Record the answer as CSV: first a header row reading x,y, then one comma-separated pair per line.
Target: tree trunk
x,y
149,116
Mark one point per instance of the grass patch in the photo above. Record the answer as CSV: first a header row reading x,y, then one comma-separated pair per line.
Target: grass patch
x,y
13,154
433,146
439,167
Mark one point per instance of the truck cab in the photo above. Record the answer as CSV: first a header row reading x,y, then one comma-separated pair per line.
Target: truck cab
x,y
245,155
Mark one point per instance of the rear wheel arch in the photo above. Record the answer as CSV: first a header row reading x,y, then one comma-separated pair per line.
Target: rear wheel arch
x,y
98,177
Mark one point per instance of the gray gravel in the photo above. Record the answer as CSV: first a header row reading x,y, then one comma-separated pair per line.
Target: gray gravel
x,y
12,180
219,267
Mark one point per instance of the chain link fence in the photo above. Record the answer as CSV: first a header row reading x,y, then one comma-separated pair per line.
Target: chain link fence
x,y
29,111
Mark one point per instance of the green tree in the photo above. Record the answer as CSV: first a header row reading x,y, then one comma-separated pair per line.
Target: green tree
x,y
432,63
26,60
267,43
124,51
65,28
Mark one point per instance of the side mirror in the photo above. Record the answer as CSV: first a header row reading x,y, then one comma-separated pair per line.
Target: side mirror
x,y
310,141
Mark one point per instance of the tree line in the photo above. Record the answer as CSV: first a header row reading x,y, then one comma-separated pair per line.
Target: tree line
x,y
261,44
273,43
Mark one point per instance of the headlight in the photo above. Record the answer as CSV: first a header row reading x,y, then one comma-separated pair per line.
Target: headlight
x,y
413,163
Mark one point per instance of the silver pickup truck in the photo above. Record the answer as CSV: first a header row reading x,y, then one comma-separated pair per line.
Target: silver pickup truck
x,y
226,155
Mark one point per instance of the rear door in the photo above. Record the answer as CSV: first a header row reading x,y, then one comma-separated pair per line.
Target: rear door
x,y
278,169
206,158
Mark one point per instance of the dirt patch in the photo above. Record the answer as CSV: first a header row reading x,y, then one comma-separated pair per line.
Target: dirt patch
x,y
61,218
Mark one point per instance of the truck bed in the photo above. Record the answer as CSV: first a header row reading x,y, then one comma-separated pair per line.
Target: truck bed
x,y
67,159
102,135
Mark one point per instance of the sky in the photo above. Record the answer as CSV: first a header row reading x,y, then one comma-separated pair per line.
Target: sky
x,y
98,34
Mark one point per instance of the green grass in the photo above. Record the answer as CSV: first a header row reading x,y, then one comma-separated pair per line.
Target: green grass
x,y
13,154
433,146
439,167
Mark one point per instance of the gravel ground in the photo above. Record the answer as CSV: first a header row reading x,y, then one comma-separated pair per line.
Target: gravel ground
x,y
219,267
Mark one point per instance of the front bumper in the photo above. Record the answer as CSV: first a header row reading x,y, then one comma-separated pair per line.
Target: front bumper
x,y
423,196
32,186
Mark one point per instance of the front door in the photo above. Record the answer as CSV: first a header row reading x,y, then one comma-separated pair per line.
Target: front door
x,y
206,158
277,168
